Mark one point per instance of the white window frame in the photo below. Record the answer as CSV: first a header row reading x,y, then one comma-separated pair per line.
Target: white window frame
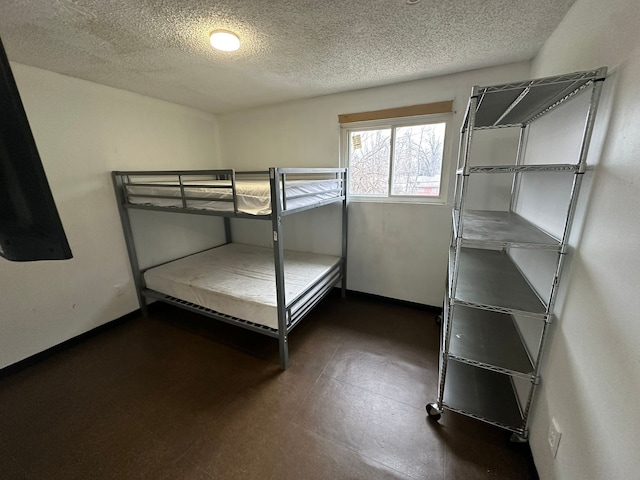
x,y
445,118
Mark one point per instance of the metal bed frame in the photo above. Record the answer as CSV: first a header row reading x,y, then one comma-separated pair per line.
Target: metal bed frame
x,y
289,314
485,288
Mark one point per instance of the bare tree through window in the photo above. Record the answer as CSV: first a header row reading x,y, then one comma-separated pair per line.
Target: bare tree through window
x,y
369,162
415,168
418,160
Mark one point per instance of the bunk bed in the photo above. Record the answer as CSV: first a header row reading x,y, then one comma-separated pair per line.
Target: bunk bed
x,y
266,290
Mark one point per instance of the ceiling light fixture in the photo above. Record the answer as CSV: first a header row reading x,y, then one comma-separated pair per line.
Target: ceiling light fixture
x,y
224,40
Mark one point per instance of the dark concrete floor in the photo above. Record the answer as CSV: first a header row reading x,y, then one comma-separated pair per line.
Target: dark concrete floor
x,y
179,396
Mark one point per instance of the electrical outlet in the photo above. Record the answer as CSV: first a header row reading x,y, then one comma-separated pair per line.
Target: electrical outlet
x,y
553,437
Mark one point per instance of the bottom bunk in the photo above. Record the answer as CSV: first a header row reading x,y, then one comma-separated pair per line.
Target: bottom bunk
x,y
236,283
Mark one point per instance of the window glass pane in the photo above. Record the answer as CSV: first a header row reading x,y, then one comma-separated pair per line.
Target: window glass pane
x,y
418,160
369,158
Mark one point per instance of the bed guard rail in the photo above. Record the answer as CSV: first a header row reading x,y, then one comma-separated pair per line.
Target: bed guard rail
x,y
219,191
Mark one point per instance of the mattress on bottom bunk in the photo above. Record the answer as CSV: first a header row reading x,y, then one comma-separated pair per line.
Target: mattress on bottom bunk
x,y
238,280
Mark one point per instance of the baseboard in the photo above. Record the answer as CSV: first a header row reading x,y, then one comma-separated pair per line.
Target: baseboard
x,y
396,301
51,351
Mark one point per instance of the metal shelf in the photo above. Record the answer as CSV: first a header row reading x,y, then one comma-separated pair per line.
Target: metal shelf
x,y
482,394
484,356
489,340
490,280
492,228
516,104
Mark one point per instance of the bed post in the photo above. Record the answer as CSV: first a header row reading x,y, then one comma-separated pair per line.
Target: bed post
x,y
227,230
128,238
345,229
278,256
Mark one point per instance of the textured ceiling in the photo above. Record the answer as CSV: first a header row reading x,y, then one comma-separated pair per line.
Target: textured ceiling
x,y
290,49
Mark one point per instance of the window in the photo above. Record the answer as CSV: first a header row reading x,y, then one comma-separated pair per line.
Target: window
x,y
397,159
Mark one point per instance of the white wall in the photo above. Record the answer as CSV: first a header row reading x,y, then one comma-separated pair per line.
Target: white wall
x,y
395,250
592,374
83,131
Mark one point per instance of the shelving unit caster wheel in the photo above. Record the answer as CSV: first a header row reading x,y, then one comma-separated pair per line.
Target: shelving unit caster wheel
x,y
433,411
517,438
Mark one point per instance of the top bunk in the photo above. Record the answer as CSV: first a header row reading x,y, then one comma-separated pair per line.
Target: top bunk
x,y
232,194
520,103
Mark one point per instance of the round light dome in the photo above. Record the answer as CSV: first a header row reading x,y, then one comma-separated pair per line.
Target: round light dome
x,y
224,40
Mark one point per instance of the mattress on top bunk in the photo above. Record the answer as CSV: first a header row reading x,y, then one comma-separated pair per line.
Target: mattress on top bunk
x,y
238,280
253,196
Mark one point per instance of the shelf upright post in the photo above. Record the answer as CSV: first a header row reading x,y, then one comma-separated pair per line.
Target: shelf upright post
x,y
577,182
278,257
596,92
466,135
463,162
522,145
460,160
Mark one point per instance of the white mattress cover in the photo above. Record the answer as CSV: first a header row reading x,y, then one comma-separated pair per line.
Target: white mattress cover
x,y
253,196
238,279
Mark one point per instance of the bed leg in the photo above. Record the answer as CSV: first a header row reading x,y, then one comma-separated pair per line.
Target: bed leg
x,y
144,309
284,352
